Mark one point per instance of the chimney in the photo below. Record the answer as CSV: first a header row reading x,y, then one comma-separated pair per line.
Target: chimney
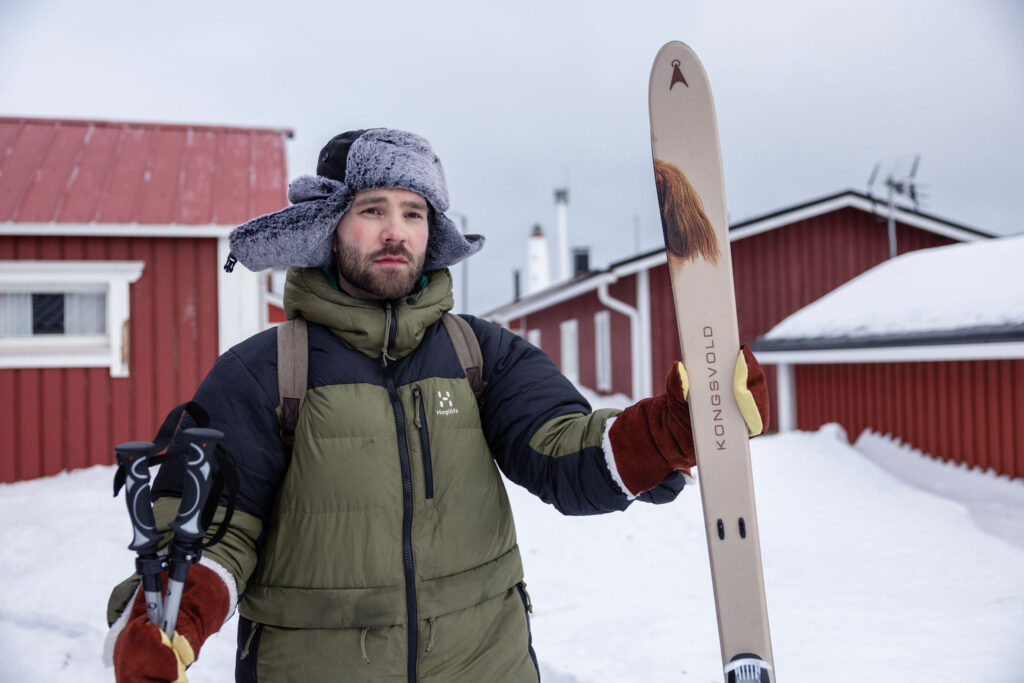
x,y
562,210
538,269
580,260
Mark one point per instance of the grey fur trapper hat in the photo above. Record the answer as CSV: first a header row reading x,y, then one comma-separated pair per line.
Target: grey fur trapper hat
x,y
302,234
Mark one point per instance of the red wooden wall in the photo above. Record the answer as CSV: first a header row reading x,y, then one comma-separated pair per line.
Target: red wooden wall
x,y
966,411
61,418
583,308
776,273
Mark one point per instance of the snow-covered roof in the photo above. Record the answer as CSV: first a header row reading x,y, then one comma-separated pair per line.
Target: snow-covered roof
x,y
970,293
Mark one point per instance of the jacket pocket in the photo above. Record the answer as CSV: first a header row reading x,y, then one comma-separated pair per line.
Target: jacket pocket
x,y
420,420
249,633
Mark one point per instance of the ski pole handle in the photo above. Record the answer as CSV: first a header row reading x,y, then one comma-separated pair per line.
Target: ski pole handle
x,y
133,462
199,468
187,526
133,459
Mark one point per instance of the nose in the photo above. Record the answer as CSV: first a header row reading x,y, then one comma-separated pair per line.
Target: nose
x,y
394,229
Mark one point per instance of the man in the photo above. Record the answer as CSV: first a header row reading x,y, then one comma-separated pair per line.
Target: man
x,y
380,545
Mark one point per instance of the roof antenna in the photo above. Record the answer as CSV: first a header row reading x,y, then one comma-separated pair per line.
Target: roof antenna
x,y
896,184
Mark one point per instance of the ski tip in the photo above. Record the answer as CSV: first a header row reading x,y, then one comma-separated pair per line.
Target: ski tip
x,y
675,45
676,67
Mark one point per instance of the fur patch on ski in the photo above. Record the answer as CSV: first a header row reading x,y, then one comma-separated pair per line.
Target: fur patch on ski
x,y
688,232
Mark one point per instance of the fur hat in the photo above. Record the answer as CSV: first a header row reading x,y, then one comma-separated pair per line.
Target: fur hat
x,y
302,234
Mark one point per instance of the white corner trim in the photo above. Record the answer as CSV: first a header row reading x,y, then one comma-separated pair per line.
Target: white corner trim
x,y
109,350
786,397
241,309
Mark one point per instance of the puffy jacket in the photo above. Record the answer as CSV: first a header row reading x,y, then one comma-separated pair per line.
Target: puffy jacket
x,y
382,547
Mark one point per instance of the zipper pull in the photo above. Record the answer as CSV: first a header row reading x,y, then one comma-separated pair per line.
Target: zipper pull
x,y
417,396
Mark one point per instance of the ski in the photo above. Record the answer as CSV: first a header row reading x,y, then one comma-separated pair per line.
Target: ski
x,y
691,193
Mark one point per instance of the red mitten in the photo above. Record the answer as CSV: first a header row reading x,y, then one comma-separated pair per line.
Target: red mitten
x,y
652,438
144,653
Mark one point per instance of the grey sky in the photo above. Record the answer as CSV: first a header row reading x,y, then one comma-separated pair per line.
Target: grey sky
x,y
520,99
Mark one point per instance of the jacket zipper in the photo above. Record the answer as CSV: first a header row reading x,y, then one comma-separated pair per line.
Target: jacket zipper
x,y
407,500
421,424
248,641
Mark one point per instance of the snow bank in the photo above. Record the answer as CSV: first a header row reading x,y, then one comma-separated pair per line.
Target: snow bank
x,y
994,501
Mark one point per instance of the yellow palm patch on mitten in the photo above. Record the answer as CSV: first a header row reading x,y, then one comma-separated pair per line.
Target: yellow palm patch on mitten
x,y
684,379
745,399
182,651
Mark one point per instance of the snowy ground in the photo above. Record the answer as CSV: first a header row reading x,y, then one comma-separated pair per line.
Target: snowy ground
x,y
870,575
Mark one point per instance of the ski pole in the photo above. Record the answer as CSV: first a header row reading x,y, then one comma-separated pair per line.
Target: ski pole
x,y
133,473
186,547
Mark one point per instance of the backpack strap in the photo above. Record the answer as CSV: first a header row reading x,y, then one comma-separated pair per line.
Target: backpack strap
x,y
467,348
292,373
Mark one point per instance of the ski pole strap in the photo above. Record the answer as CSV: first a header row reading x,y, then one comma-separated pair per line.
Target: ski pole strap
x,y
292,373
228,479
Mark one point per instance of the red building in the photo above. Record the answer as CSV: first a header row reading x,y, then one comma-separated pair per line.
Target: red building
x,y
614,330
927,348
113,303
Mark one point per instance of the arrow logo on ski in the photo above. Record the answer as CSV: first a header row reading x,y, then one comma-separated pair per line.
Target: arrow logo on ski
x,y
677,75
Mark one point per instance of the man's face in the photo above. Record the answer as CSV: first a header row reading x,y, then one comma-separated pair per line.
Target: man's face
x,y
381,242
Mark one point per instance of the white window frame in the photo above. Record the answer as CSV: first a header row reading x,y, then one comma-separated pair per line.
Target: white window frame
x,y
73,351
533,336
603,350
570,349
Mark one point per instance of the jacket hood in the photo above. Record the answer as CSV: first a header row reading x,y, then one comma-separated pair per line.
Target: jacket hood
x,y
362,324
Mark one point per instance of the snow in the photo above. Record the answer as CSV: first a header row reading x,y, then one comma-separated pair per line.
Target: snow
x,y
880,565
975,284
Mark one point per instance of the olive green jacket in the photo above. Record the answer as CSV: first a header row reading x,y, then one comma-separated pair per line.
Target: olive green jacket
x,y
382,546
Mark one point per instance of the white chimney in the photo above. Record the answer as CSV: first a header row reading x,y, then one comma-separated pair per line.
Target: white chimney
x,y
562,207
538,269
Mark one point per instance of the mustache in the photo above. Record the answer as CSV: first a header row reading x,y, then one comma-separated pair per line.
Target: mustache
x,y
396,250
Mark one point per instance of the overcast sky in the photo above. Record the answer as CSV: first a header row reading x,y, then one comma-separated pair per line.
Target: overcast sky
x,y
521,99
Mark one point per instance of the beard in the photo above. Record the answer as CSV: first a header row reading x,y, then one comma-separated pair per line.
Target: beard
x,y
382,282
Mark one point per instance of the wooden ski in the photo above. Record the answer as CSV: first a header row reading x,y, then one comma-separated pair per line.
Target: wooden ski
x,y
691,192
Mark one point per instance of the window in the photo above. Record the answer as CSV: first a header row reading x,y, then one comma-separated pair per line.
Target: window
x,y
533,336
570,350
27,314
603,350
65,313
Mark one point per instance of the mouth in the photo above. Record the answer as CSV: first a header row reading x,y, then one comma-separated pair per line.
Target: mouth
x,y
391,261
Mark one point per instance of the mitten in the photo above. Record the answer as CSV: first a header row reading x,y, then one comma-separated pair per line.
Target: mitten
x,y
652,438
144,653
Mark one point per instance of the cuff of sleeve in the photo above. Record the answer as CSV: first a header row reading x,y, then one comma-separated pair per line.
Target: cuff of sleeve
x,y
115,630
609,459
228,580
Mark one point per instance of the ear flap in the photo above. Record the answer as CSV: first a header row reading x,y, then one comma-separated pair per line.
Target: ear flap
x,y
447,245
299,235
